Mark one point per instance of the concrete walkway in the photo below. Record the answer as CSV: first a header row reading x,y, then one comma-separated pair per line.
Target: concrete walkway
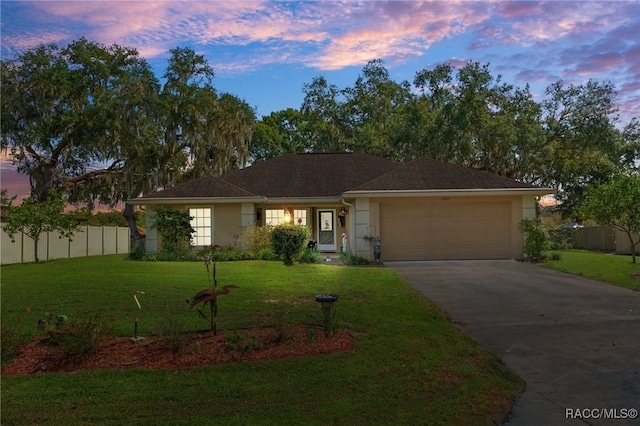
x,y
575,341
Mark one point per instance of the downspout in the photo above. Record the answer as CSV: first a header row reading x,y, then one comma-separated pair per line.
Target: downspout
x,y
352,225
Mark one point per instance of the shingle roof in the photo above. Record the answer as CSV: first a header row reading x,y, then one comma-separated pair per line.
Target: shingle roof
x,y
331,175
290,175
310,175
204,187
428,174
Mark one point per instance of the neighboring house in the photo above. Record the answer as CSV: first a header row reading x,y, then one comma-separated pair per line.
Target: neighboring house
x,y
422,210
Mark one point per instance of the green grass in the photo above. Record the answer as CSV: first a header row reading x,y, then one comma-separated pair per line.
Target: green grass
x,y
613,269
410,365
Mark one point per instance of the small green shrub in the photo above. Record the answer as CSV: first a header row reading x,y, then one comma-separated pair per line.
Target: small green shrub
x,y
137,254
267,254
555,256
236,342
311,335
310,256
231,254
329,325
83,334
353,259
536,239
287,241
150,257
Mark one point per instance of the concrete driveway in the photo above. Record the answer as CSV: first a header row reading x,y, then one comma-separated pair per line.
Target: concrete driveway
x,y
575,341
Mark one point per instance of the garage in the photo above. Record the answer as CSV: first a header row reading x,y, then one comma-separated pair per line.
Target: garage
x,y
445,229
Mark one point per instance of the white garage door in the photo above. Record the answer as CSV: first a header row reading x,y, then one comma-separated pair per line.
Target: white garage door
x,y
445,231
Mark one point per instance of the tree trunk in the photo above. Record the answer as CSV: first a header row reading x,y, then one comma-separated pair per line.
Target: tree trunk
x,y
128,214
35,248
131,221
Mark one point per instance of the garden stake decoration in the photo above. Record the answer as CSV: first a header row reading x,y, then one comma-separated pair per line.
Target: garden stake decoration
x,y
136,338
210,296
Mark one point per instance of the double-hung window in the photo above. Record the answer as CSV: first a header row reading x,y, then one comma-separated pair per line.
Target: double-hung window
x,y
202,223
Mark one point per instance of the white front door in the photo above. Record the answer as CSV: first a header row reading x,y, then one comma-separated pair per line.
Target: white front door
x,y
326,230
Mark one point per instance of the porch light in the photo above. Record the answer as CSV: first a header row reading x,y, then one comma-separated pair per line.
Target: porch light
x,y
287,217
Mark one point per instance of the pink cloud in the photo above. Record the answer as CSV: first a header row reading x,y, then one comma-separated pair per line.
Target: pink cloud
x,y
397,30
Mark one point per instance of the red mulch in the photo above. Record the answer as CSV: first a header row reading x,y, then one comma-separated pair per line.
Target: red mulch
x,y
199,349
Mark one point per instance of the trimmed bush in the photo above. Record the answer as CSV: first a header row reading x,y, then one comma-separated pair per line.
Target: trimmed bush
x,y
537,240
288,241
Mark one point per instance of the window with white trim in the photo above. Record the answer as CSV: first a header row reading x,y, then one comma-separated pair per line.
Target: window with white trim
x,y
203,225
273,217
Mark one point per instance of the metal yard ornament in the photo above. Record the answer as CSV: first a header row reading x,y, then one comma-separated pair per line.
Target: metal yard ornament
x,y
210,296
136,338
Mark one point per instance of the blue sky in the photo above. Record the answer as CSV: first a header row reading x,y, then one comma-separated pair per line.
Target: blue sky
x,y
265,51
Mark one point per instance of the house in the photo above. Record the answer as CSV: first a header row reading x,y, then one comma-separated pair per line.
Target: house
x,y
422,210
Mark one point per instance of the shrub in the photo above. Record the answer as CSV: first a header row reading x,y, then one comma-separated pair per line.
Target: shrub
x,y
137,253
287,241
536,239
256,238
555,256
236,342
175,229
171,328
353,259
310,256
83,335
266,254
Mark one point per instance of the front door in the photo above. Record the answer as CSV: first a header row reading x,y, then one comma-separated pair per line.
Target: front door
x,y
326,230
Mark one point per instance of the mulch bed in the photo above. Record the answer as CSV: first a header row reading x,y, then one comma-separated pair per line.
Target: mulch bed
x,y
197,349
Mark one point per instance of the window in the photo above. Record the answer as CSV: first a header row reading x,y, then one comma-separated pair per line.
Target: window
x,y
300,217
273,217
202,224
278,217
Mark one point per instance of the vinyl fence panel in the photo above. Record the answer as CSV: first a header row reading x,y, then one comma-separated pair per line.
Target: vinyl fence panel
x,y
109,241
78,244
57,247
89,241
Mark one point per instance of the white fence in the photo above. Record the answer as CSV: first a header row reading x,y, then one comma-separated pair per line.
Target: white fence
x,y
89,241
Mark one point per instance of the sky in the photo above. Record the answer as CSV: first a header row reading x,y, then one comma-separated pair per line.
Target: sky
x,y
265,51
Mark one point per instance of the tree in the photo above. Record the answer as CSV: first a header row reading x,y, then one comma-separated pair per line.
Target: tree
x,y
377,111
279,133
33,218
324,113
92,122
69,114
475,120
582,144
616,203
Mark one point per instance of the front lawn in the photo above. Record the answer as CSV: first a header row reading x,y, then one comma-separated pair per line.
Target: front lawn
x,y
610,268
410,365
